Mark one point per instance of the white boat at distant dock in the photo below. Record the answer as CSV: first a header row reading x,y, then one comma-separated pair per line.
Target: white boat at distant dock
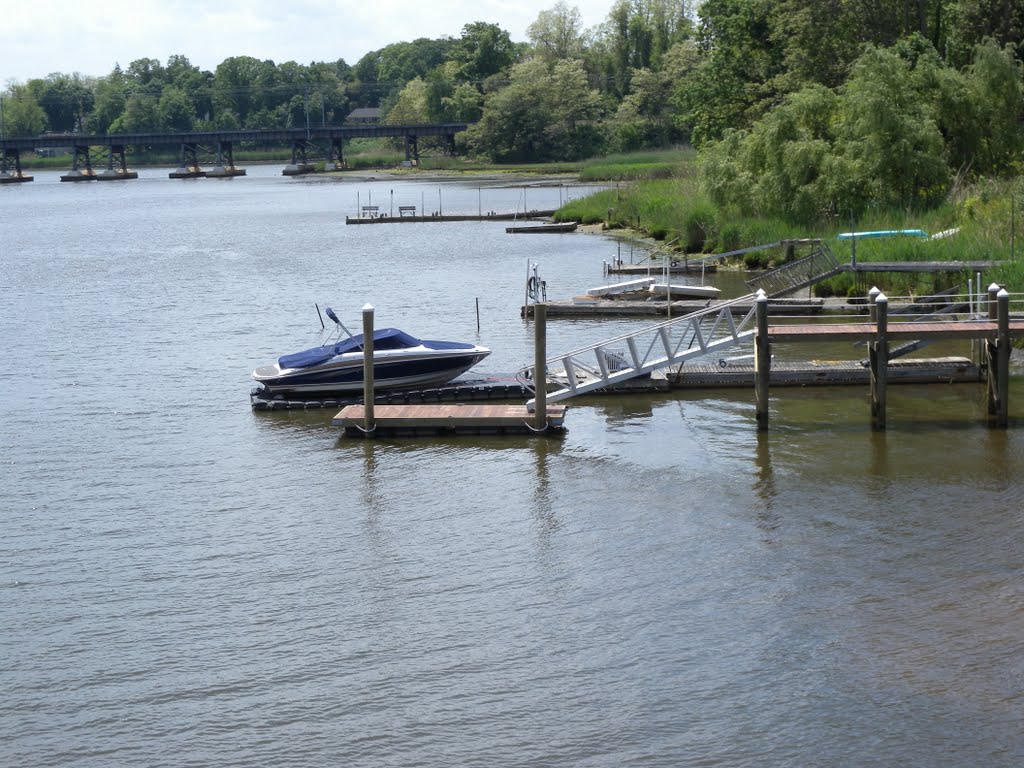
x,y
678,291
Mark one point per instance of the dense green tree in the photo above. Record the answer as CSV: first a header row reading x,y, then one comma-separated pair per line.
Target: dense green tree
x,y
970,22
141,115
241,85
542,114
637,34
483,50
734,84
20,114
411,105
557,33
109,104
175,110
648,116
147,74
464,105
381,74
66,99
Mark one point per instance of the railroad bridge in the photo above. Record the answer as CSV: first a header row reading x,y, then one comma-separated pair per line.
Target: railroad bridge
x,y
215,148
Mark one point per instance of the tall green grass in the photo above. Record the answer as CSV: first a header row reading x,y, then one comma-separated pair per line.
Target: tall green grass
x,y
984,216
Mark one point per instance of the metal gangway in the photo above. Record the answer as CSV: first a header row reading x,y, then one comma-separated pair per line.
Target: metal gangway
x,y
819,265
704,332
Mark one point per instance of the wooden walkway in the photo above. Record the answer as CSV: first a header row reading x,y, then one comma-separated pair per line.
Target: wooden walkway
x,y
434,419
968,329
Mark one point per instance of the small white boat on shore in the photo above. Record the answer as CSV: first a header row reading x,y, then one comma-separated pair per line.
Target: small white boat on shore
x,y
678,291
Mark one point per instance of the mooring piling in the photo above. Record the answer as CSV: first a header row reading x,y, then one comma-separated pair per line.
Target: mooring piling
x,y
369,423
878,357
998,388
540,374
762,360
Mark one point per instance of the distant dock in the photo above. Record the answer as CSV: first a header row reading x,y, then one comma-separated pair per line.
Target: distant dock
x,y
410,217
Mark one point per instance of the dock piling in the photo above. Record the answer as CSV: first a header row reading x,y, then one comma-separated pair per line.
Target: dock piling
x,y
540,377
998,378
762,360
369,423
879,360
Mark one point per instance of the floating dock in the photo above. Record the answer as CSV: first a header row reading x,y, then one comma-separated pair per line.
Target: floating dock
x,y
725,372
404,218
453,419
598,306
939,370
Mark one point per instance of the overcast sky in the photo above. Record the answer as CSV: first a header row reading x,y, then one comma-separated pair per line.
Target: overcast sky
x,y
44,36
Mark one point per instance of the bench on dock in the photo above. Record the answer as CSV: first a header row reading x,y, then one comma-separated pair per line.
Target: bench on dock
x,y
404,209
370,211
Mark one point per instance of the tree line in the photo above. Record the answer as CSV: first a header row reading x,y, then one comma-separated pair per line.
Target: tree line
x,y
798,106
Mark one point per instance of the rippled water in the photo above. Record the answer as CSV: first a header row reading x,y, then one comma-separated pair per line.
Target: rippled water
x,y
186,582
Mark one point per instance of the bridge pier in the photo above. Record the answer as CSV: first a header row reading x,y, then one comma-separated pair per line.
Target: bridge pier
x,y
10,167
81,165
412,148
188,163
299,164
121,171
225,170
336,158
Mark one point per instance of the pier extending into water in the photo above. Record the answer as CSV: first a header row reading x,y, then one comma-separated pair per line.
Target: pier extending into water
x,y
996,333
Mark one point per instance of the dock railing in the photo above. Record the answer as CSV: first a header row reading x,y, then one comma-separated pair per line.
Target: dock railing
x,y
704,332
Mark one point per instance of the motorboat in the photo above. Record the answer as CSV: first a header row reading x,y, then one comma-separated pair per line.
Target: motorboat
x,y
400,361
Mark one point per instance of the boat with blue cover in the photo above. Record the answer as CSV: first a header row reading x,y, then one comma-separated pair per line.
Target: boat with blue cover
x,y
400,361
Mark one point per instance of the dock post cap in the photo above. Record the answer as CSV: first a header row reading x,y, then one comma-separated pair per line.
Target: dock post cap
x,y
881,298
761,295
367,308
875,291
993,288
1003,293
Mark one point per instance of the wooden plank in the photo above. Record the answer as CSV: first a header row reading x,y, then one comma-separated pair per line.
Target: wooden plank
x,y
461,417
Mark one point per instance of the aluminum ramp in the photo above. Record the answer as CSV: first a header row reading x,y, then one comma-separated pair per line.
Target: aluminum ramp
x,y
794,275
705,332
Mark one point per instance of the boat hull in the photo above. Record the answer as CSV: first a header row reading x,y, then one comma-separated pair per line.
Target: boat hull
x,y
346,375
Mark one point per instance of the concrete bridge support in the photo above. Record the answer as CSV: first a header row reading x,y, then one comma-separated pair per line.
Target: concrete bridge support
x,y
188,163
224,167
300,164
81,165
116,152
336,157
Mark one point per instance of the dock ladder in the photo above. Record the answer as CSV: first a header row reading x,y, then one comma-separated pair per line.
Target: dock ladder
x,y
704,332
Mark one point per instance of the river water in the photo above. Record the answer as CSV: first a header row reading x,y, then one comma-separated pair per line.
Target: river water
x,y
186,582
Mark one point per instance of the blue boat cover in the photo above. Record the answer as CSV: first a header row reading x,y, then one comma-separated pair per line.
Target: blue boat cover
x,y
385,338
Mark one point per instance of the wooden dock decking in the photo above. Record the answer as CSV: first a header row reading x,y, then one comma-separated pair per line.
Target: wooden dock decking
x,y
968,329
446,418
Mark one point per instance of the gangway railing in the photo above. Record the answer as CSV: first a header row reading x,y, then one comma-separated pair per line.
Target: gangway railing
x,y
704,332
791,277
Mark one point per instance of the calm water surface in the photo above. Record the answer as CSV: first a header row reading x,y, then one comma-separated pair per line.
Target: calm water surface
x,y
184,582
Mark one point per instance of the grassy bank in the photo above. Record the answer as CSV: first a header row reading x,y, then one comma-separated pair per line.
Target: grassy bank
x,y
677,210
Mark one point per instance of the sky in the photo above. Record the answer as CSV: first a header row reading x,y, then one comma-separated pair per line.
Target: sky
x,y
45,36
